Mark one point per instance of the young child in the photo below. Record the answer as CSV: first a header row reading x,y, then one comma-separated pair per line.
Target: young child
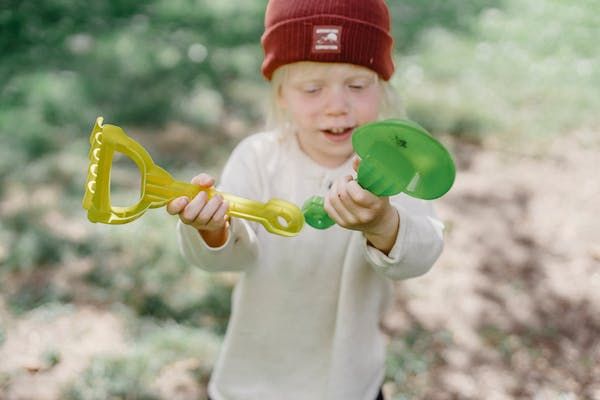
x,y
306,310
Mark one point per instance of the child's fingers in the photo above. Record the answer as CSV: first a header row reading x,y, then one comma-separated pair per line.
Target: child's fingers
x,y
359,195
332,211
352,195
203,180
191,211
341,214
339,202
176,205
208,211
219,216
353,206
341,192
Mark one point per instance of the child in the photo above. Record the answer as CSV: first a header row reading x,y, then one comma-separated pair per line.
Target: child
x,y
306,310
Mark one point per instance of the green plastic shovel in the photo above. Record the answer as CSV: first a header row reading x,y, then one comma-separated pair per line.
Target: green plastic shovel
x,y
397,155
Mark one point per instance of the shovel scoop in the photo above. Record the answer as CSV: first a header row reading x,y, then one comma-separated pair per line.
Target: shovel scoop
x,y
158,188
397,155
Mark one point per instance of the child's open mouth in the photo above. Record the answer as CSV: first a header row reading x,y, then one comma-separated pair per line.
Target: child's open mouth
x,y
338,134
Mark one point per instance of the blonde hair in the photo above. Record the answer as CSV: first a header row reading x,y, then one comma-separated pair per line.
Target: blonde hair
x,y
277,118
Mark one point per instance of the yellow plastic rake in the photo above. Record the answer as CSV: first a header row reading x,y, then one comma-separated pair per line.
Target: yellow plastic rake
x,y
158,188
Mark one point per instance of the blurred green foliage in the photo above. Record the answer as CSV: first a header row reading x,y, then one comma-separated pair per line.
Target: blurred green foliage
x,y
143,63
520,70
411,18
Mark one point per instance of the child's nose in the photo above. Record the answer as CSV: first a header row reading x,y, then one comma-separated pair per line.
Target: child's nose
x,y
337,102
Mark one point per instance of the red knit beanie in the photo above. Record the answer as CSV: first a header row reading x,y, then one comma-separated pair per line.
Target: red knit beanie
x,y
345,31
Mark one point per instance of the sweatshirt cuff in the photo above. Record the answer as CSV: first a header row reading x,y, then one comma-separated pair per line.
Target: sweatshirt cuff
x,y
193,238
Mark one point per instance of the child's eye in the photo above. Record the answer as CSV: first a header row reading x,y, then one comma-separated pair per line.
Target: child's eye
x,y
356,86
359,85
311,89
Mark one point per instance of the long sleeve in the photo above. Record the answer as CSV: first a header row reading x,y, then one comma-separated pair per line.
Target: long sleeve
x,y
418,244
241,178
237,254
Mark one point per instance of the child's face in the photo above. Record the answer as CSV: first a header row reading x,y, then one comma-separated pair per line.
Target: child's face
x,y
326,102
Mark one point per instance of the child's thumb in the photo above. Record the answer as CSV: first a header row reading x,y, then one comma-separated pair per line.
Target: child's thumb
x,y
356,163
203,180
175,206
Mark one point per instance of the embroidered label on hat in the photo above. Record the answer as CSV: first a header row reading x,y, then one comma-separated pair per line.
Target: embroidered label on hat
x,y
327,39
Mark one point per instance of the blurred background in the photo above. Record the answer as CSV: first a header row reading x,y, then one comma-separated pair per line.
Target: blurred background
x,y
92,311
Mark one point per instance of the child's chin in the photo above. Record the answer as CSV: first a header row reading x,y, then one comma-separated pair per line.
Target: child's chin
x,y
341,152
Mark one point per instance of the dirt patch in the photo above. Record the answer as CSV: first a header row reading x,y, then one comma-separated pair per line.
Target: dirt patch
x,y
517,288
47,348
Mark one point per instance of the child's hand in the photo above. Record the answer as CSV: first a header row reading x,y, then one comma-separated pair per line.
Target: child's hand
x,y
207,216
354,208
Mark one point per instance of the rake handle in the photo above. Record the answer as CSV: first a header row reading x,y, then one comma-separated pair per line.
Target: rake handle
x,y
238,206
277,216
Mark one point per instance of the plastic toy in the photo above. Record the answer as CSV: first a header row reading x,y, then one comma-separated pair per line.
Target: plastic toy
x,y
158,187
396,156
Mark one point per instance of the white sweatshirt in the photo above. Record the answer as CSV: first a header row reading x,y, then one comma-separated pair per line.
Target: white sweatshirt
x,y
305,317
